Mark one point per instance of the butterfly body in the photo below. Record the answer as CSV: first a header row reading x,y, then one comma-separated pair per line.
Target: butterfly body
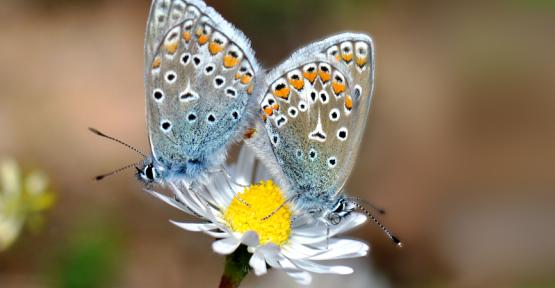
x,y
199,80
313,113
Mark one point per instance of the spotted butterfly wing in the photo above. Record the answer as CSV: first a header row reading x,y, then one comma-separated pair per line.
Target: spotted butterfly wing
x,y
314,112
199,75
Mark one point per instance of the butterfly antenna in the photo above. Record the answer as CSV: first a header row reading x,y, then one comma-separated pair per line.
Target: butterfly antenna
x,y
100,177
116,140
384,229
368,204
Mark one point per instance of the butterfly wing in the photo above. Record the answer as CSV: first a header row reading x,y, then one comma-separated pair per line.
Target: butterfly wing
x,y
199,75
314,112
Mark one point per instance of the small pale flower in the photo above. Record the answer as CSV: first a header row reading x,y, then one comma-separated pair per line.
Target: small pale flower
x,y
234,213
22,199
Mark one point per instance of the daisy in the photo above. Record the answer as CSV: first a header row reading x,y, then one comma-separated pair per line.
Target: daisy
x,y
232,210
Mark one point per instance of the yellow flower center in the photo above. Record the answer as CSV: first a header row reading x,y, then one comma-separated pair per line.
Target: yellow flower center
x,y
263,199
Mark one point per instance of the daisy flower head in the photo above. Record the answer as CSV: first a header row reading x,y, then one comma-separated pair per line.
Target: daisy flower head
x,y
234,207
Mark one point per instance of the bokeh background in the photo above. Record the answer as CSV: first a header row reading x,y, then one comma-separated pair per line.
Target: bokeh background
x,y
460,146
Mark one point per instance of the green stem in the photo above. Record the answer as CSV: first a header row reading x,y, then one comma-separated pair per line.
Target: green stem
x,y
236,268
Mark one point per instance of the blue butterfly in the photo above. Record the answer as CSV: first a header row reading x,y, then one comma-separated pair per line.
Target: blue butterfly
x,y
200,75
313,114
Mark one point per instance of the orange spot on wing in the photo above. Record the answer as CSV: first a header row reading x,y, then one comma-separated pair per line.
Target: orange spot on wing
x,y
264,117
282,93
202,39
361,61
275,107
250,133
171,48
246,79
298,84
230,61
349,102
156,63
347,57
187,36
250,89
310,76
325,76
238,76
338,88
269,111
215,48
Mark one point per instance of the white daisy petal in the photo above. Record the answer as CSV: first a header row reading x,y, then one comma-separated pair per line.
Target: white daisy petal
x,y
195,227
301,277
226,246
245,162
170,201
295,250
258,263
343,248
187,200
351,222
250,239
323,269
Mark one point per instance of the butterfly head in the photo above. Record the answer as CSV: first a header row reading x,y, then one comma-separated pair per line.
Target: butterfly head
x,y
340,210
149,173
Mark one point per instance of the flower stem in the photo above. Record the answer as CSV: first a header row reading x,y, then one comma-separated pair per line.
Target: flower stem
x,y
236,268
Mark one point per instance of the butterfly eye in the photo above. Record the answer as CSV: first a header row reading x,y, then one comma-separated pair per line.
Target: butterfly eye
x,y
342,134
150,172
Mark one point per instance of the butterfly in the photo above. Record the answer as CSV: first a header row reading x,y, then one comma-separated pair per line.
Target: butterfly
x,y
200,74
313,115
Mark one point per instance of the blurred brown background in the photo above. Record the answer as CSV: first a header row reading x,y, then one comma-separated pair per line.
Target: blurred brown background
x,y
460,146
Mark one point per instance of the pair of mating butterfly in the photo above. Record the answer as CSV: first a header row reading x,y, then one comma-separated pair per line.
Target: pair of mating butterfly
x,y
205,90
